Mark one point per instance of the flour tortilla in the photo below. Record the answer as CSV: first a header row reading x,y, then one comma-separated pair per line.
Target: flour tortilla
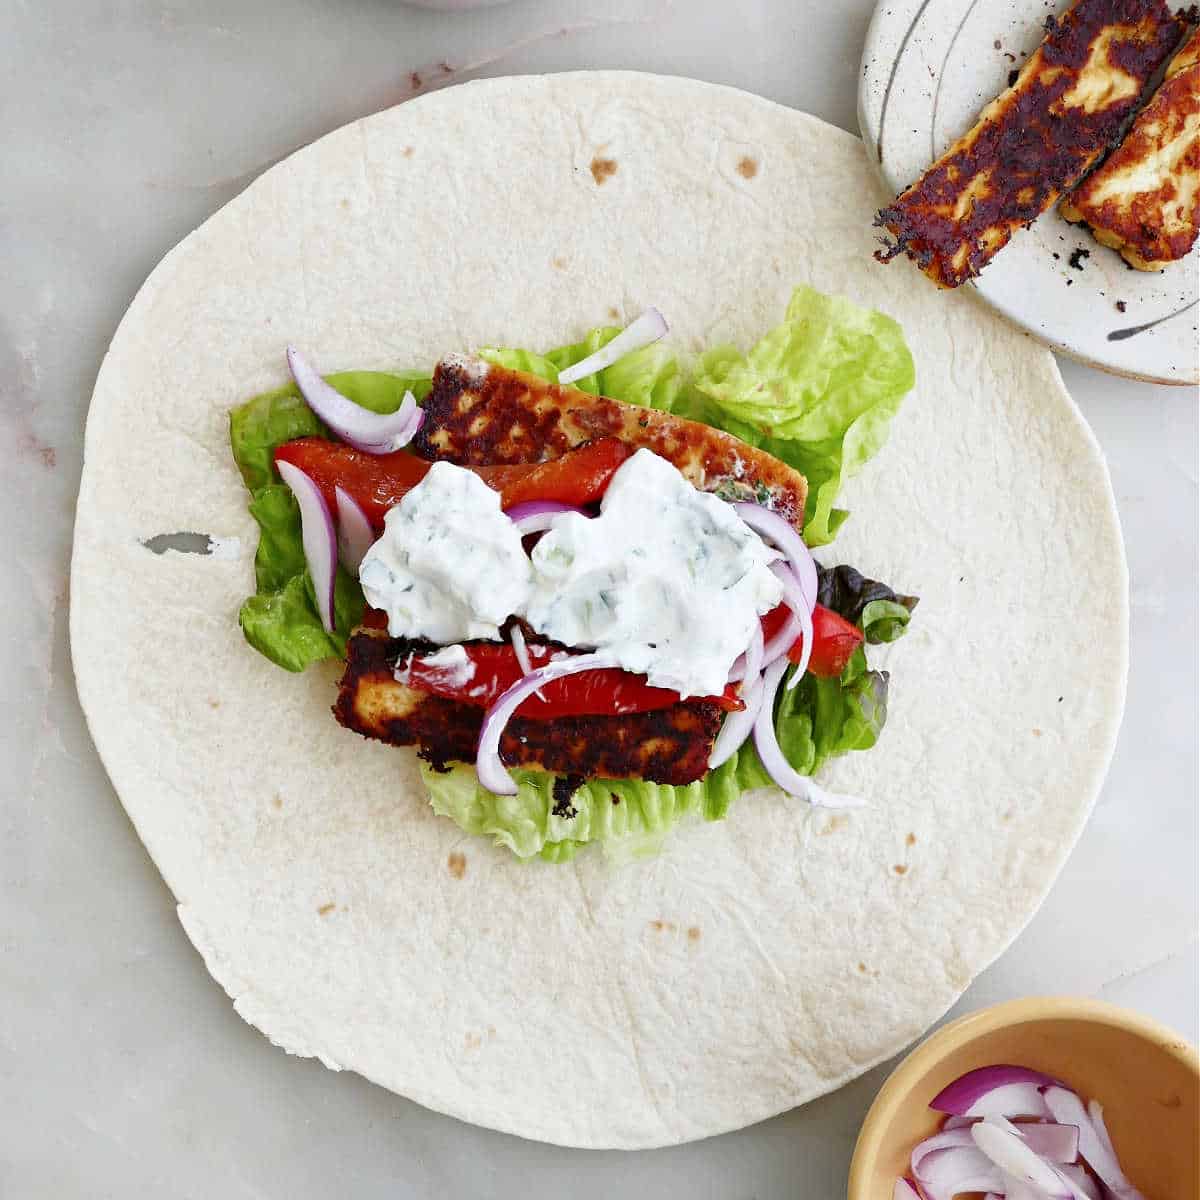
x,y
758,962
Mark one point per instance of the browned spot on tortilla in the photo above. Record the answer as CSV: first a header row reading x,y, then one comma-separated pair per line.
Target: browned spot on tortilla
x,y
663,926
456,864
900,869
693,933
326,909
1174,1100
1037,733
491,1031
862,967
30,444
559,263
911,840
602,168
213,703
747,167
407,152
472,1041
345,203
612,312
277,801
832,826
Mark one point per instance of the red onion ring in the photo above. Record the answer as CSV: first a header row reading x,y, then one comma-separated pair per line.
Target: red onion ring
x,y
774,528
1067,1109
536,516
354,533
1002,1090
957,1169
488,767
794,598
737,726
646,330
782,773
318,537
1017,1161
373,433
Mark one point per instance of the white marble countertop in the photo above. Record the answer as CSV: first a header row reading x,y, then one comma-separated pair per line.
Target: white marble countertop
x,y
123,1067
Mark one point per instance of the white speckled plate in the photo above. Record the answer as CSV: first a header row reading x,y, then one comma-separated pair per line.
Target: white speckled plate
x,y
929,66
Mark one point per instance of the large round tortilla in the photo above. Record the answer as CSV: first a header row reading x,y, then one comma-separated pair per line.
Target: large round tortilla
x,y
758,962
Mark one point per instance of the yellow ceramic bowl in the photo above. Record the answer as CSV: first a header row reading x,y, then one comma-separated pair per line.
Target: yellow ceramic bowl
x,y
1146,1077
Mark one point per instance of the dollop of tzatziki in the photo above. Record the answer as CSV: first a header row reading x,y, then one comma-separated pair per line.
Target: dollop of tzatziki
x,y
449,566
667,580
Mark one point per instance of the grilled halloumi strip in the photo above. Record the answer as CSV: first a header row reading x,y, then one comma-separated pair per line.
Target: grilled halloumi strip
x,y
1145,200
480,414
670,745
1034,140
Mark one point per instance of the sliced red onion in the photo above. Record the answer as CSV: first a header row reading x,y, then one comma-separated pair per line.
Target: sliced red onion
x,y
646,330
374,433
783,641
1084,1185
947,1173
737,726
1096,1112
1014,1157
536,516
782,773
957,1123
905,1191
1003,1091
1055,1143
318,537
794,598
516,635
1067,1109
774,528
948,1139
488,767
749,666
354,533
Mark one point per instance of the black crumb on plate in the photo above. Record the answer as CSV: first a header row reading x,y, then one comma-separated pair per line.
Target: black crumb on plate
x,y
1121,306
1012,76
1077,257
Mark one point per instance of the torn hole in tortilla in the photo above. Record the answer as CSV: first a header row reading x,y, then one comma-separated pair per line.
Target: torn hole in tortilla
x,y
185,542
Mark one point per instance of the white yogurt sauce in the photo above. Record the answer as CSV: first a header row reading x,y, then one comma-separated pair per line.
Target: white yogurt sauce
x,y
449,566
667,580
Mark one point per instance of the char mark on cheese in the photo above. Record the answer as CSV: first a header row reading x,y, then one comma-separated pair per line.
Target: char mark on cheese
x,y
670,745
1144,201
479,414
1068,104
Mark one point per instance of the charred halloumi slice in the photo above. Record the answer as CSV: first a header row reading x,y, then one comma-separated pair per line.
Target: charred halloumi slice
x,y
479,414
1033,141
670,745
1145,199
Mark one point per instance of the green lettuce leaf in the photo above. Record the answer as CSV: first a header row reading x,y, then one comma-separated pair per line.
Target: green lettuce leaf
x,y
281,619
826,383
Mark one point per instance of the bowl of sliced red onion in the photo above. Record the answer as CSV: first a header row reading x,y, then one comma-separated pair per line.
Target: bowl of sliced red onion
x,y
1042,1099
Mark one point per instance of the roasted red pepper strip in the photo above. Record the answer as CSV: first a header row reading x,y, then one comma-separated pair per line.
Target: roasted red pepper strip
x,y
494,669
380,481
834,641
